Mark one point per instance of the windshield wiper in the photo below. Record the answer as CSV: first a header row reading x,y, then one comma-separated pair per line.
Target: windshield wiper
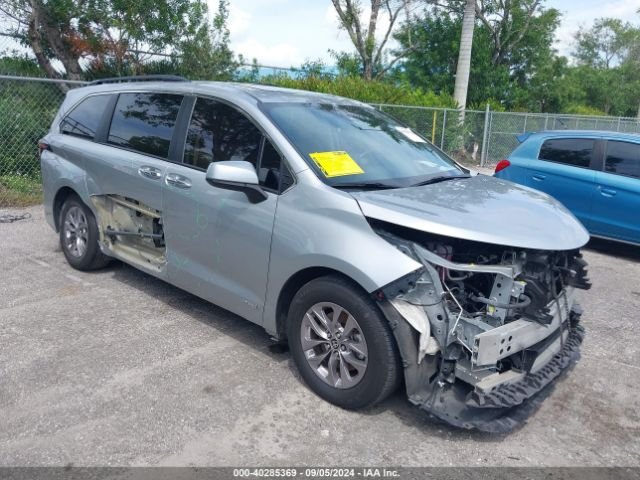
x,y
366,185
439,179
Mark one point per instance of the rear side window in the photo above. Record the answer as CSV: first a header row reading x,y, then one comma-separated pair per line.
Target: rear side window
x,y
623,158
85,118
145,122
570,151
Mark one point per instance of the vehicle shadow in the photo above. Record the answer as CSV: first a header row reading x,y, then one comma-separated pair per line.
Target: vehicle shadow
x,y
254,337
198,309
617,249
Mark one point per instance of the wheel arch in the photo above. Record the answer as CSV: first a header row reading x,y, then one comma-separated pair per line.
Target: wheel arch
x,y
294,284
58,201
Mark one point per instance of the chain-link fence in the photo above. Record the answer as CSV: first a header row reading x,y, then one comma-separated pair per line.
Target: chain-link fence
x,y
459,133
28,105
504,127
484,137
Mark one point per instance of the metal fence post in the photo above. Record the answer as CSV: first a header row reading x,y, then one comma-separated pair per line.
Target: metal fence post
x,y
444,129
434,125
485,136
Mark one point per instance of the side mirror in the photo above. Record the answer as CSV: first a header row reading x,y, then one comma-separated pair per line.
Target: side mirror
x,y
236,175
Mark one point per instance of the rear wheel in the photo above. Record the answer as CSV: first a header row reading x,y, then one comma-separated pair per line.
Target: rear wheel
x,y
341,343
79,236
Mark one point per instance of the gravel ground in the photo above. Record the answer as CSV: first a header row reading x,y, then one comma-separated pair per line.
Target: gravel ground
x,y
118,368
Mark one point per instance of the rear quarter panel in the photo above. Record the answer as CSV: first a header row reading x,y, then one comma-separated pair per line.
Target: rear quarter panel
x,y
59,171
521,162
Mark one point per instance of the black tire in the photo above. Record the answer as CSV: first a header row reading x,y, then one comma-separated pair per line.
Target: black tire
x,y
383,371
91,257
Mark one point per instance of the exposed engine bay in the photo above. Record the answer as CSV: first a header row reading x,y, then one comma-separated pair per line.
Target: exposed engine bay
x,y
131,230
482,328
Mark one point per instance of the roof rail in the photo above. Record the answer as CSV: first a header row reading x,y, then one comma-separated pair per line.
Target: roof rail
x,y
140,78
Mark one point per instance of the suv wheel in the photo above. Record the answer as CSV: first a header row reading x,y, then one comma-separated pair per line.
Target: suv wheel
x,y
79,236
341,344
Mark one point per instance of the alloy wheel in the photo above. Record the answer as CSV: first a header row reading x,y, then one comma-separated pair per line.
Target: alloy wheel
x,y
76,232
334,345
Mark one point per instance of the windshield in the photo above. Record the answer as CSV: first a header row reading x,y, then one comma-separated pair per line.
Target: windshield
x,y
351,145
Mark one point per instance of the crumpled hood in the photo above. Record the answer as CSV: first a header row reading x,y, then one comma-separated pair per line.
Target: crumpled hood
x,y
479,208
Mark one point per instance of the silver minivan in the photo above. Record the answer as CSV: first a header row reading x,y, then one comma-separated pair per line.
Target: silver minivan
x,y
333,226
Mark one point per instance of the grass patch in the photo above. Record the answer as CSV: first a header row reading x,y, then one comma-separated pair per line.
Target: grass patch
x,y
19,191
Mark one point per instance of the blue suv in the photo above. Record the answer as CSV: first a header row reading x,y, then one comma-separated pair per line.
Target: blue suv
x,y
596,175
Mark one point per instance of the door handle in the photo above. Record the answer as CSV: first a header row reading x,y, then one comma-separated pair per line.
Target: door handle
x,y
176,180
150,172
539,178
607,192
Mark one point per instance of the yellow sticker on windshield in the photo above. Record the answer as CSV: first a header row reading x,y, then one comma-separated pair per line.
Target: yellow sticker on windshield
x,y
336,164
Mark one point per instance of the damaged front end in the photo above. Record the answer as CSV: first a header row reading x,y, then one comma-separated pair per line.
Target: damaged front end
x,y
482,329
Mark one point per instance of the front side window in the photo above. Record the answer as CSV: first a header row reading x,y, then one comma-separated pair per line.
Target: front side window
x,y
570,151
623,158
352,145
219,132
272,171
144,122
85,118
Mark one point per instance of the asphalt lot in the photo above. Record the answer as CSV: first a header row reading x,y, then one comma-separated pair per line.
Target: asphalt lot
x,y
118,368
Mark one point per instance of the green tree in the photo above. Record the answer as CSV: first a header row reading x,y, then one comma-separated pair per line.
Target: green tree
x,y
607,55
348,64
551,88
204,52
118,35
363,34
511,41
607,44
433,63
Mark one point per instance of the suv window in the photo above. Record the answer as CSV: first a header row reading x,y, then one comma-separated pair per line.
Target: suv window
x,y
570,151
273,173
145,122
623,158
85,118
220,132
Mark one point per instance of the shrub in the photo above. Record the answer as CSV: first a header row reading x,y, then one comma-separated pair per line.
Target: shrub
x,y
30,106
371,91
584,110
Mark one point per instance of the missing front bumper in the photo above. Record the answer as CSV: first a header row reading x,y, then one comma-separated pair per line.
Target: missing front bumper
x,y
512,394
497,409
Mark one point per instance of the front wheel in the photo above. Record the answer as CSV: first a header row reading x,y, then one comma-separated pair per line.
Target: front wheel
x,y
341,343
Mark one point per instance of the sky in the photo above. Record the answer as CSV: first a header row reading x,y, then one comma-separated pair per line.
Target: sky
x,y
286,33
